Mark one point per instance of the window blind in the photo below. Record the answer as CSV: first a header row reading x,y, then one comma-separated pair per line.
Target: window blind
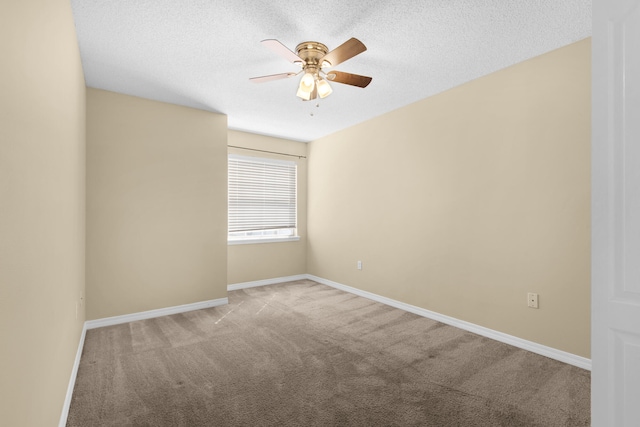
x,y
262,194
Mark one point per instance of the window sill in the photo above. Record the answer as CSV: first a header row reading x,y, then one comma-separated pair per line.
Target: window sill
x,y
263,240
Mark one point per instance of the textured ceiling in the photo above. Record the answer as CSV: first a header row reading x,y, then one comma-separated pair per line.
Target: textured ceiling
x,y
201,53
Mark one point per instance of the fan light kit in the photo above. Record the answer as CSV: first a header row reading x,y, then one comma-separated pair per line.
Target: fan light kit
x,y
312,57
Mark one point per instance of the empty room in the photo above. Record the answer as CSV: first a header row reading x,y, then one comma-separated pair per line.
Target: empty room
x,y
335,213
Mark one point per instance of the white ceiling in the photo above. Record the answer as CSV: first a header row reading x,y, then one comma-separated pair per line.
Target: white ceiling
x,y
201,53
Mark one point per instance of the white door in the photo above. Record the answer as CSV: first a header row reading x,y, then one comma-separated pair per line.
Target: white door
x,y
615,211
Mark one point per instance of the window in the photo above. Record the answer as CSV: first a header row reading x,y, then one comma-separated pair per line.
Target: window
x,y
262,199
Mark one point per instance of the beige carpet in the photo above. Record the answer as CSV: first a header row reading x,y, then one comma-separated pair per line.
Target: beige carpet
x,y
304,354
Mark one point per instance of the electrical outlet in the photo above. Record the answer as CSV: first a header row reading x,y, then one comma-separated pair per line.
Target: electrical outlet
x,y
532,300
359,265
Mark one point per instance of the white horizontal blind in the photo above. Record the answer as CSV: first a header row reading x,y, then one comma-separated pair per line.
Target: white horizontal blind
x,y
262,194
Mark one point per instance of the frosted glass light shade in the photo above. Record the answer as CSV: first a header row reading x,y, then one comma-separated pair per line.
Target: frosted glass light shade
x,y
324,89
306,86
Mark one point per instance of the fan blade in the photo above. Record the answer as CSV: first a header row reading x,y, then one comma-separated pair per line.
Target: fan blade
x,y
346,50
348,78
263,79
282,50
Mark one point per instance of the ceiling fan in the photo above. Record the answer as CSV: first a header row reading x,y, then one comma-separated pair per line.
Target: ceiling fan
x,y
312,57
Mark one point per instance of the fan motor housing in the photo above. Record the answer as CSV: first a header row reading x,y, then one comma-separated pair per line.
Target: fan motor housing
x,y
311,53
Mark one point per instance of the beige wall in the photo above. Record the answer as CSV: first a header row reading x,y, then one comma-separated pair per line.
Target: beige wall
x,y
42,183
156,205
465,201
252,262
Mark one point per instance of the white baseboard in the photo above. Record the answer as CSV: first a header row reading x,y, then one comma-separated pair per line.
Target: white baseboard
x,y
562,356
265,282
72,381
116,320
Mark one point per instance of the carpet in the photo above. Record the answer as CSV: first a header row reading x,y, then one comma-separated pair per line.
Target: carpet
x,y
305,354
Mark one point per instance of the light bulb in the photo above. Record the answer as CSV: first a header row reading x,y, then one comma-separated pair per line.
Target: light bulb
x,y
307,80
324,88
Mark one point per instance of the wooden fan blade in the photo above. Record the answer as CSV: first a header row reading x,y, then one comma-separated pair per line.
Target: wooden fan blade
x,y
271,77
346,50
282,50
348,78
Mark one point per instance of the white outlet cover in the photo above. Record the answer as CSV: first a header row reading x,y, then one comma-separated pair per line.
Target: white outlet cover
x,y
532,300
